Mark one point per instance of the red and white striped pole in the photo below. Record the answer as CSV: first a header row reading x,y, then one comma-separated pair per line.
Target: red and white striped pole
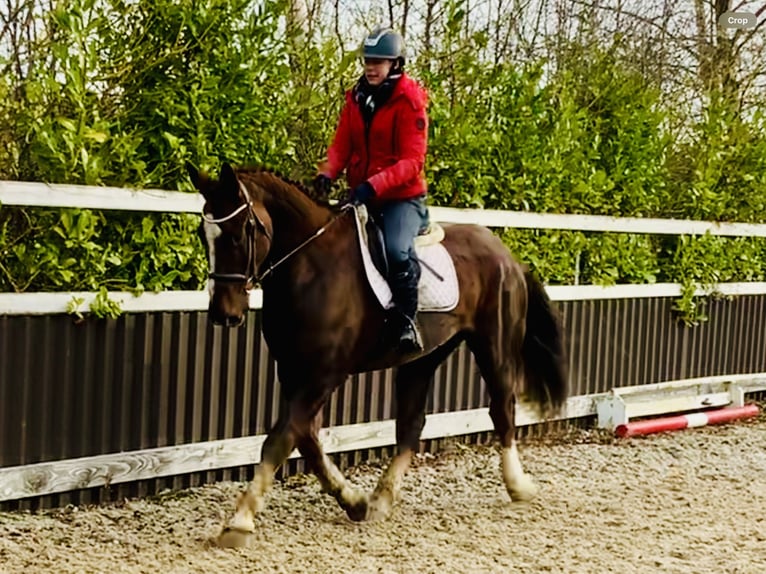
x,y
686,421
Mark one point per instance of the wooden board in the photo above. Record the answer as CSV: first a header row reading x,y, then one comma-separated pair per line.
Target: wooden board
x,y
56,303
95,197
94,471
34,194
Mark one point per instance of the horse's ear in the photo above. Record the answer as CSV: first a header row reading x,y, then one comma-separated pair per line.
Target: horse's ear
x,y
228,181
198,178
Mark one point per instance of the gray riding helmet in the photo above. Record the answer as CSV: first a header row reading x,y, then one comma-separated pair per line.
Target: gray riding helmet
x,y
385,44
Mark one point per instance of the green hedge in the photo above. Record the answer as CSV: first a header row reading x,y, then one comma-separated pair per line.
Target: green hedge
x,y
129,92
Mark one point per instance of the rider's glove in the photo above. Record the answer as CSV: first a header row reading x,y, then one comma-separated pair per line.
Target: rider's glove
x,y
362,193
322,185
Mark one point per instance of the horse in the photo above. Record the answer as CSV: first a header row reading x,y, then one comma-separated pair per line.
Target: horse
x,y
321,323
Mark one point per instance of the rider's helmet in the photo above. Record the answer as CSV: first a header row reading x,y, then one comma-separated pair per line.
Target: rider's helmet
x,y
385,44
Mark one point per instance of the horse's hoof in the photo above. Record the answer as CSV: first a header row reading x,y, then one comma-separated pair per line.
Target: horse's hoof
x,y
524,491
358,509
235,538
378,509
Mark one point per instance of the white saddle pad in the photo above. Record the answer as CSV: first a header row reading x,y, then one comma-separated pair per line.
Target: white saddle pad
x,y
434,293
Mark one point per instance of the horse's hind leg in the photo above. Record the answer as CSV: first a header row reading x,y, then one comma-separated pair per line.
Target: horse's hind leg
x,y
413,381
497,347
500,375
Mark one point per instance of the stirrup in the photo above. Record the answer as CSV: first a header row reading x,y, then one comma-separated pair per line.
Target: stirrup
x,y
409,337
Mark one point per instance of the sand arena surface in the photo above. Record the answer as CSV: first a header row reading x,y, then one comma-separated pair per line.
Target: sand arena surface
x,y
690,501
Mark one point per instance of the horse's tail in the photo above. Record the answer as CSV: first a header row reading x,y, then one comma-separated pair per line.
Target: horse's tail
x,y
543,349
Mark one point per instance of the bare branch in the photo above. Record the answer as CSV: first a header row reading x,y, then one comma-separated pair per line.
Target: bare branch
x,y
336,22
429,24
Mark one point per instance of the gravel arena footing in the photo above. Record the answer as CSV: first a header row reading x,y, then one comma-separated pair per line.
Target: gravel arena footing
x,y
689,501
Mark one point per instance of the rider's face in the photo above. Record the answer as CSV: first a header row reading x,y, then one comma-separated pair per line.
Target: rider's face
x,y
376,70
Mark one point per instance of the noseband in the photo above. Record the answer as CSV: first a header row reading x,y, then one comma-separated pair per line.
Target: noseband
x,y
254,222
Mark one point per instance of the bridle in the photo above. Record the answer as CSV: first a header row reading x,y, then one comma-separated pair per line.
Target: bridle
x,y
254,222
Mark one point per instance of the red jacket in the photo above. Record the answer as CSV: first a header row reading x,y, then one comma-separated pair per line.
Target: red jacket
x,y
392,156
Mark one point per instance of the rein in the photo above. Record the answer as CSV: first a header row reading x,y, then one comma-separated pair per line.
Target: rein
x,y
251,274
316,234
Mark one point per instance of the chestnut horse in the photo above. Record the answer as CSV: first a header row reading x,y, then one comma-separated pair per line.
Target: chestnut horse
x,y
322,321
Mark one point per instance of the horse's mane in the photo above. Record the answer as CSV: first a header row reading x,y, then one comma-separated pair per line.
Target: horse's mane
x,y
260,171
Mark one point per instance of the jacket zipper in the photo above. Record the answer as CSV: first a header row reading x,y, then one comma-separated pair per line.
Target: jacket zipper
x,y
367,127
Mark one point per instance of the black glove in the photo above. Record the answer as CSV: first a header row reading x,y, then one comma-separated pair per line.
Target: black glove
x,y
322,185
362,193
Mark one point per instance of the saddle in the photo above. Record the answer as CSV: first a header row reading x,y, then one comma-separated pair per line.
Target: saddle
x,y
438,288
376,243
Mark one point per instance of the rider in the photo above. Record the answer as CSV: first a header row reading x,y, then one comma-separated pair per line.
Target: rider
x,y
381,141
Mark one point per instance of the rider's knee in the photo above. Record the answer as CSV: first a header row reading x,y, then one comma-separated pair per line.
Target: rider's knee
x,y
398,254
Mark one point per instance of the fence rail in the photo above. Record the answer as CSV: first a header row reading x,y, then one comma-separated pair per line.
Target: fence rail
x,y
155,200
64,302
116,468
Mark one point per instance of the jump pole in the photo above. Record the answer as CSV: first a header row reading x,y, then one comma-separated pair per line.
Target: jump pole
x,y
686,421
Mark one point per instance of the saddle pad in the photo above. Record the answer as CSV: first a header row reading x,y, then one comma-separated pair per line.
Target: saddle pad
x,y
435,294
431,236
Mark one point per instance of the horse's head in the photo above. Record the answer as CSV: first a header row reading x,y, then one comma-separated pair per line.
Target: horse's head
x,y
236,231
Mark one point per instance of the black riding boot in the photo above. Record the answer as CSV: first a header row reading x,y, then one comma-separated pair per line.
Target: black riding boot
x,y
404,288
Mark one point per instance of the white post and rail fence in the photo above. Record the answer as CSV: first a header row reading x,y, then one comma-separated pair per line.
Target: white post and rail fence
x,y
613,330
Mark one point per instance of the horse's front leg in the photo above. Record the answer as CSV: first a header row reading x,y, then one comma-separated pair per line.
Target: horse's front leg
x,y
353,501
277,447
305,423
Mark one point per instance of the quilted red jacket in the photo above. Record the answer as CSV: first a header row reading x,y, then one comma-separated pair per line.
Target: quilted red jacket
x,y
392,155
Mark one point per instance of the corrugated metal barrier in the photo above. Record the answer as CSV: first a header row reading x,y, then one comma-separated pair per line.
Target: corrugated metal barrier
x,y
70,389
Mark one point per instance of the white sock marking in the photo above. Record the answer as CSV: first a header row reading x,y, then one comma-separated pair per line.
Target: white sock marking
x,y
512,465
212,232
